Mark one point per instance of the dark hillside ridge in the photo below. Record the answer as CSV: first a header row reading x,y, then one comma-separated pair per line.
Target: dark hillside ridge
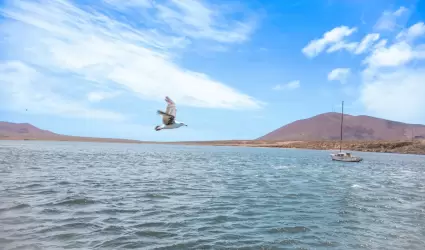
x,y
327,127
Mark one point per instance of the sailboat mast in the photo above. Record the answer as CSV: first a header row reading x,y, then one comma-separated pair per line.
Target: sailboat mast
x,y
342,120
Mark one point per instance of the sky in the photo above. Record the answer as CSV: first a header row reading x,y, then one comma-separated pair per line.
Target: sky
x,y
235,69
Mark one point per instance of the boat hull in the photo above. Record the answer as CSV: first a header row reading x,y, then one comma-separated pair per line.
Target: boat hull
x,y
346,159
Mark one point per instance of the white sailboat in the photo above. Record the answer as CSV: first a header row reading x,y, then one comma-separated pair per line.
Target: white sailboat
x,y
344,156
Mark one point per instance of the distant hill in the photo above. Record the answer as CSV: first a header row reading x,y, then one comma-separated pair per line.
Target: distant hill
x,y
327,127
9,129
317,128
313,133
26,131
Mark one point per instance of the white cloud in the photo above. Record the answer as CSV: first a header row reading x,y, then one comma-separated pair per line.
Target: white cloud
x,y
339,74
355,47
366,43
59,38
290,85
392,80
97,96
20,85
123,4
401,52
398,94
195,19
388,20
414,31
333,38
343,45
382,43
397,54
392,86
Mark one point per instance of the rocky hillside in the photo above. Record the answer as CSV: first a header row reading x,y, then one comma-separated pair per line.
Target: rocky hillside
x,y
327,127
401,147
12,130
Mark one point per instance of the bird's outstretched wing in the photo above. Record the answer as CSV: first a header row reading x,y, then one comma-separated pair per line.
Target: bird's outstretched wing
x,y
171,107
168,117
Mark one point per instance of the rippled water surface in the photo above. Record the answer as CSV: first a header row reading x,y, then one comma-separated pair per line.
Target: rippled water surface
x,y
57,195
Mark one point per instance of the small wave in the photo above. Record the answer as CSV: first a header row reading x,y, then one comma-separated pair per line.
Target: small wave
x,y
76,201
48,191
175,194
114,243
4,241
119,211
133,245
349,222
289,242
297,229
283,167
155,234
113,228
51,211
186,245
20,206
65,236
325,244
111,220
64,183
68,226
156,196
223,219
149,224
15,207
35,185
291,196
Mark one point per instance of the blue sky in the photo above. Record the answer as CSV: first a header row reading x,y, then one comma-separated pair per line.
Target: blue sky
x,y
236,69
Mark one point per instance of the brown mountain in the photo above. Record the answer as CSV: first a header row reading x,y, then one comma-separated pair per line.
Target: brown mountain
x,y
312,133
327,127
26,131
17,130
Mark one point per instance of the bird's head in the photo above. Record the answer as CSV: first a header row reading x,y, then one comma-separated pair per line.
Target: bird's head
x,y
183,124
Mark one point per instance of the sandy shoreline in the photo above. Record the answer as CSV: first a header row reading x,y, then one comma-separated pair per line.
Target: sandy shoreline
x,y
403,147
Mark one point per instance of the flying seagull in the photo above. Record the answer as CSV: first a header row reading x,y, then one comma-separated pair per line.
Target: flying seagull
x,y
169,116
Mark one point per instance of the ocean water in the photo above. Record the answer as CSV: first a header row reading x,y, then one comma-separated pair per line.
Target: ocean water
x,y
63,195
